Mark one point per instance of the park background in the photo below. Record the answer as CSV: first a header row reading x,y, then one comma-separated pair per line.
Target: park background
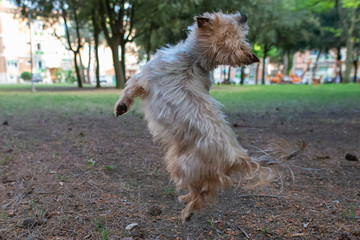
x,y
94,42
69,169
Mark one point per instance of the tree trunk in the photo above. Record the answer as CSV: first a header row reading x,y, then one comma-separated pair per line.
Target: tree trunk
x,y
339,63
355,70
89,64
229,74
286,63
78,77
122,61
81,68
96,33
349,60
148,45
316,65
257,73
242,80
290,63
227,78
264,60
119,75
97,62
349,42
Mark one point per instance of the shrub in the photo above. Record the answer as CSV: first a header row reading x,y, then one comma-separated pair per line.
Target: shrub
x,y
69,76
26,76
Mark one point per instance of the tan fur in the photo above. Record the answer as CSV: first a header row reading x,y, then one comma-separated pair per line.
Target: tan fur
x,y
202,151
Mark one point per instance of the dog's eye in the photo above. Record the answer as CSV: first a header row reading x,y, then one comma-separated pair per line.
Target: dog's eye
x,y
243,18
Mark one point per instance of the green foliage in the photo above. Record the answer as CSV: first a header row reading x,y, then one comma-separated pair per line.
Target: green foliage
x,y
100,226
91,163
109,167
26,76
169,191
58,74
69,76
159,23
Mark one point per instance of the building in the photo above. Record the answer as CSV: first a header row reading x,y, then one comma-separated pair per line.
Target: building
x,y
46,51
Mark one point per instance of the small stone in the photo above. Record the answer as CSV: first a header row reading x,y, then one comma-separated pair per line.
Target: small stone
x,y
29,223
351,157
5,123
155,211
131,226
356,232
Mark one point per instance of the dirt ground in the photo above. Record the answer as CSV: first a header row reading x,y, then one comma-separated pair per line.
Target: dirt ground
x,y
91,176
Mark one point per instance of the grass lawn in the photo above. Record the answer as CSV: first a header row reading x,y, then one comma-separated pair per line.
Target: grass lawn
x,y
14,99
290,97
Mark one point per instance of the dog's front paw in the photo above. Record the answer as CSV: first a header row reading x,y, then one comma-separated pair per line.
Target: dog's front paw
x,y
121,109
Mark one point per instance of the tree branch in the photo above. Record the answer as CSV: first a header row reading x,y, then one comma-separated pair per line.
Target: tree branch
x,y
77,29
131,19
60,39
67,33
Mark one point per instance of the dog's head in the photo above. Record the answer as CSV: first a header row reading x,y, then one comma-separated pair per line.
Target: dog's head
x,y
223,37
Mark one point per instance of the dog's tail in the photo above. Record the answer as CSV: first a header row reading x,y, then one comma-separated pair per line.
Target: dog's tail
x,y
265,168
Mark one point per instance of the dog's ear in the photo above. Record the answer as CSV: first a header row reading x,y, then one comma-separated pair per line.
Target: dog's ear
x,y
202,21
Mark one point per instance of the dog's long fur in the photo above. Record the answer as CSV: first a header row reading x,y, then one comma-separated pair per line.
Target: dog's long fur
x,y
201,149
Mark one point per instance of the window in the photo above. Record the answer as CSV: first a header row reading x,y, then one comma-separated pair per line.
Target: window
x,y
39,46
12,63
40,64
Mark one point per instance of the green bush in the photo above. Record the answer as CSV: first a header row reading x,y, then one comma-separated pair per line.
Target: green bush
x,y
26,76
58,75
69,76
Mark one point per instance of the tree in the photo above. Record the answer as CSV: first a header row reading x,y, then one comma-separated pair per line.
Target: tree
x,y
159,23
50,12
96,33
72,6
349,17
117,22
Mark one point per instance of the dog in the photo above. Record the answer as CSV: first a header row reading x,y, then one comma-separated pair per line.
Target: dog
x,y
202,151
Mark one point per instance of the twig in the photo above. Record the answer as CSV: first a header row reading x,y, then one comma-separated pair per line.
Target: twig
x,y
47,192
16,199
261,195
309,169
246,235
302,146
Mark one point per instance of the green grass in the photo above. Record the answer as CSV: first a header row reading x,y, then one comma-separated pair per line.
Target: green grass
x,y
288,97
67,102
14,100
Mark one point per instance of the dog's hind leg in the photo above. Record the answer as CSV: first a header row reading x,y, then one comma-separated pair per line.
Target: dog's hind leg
x,y
135,87
200,195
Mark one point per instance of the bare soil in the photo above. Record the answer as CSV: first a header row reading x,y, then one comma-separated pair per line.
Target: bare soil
x,y
91,176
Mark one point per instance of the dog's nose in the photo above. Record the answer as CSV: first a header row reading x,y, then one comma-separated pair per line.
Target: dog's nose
x,y
243,18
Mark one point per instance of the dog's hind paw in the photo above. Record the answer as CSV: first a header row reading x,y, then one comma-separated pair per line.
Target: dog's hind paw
x,y
186,216
121,109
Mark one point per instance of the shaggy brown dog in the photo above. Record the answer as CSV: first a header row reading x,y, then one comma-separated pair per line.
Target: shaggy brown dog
x,y
202,150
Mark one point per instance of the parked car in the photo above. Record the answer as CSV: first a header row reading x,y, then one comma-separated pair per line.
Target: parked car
x,y
328,80
305,80
36,78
